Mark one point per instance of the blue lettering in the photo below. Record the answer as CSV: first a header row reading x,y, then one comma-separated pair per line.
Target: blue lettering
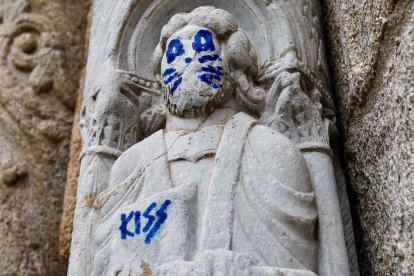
x,y
137,222
151,227
150,218
162,216
124,225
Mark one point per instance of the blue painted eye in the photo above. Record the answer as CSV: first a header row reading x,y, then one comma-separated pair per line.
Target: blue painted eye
x,y
203,41
171,74
175,49
188,60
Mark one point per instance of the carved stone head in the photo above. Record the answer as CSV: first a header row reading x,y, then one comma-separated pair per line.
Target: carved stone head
x,y
202,60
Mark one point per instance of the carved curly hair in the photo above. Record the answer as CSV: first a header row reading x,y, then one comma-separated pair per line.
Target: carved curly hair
x,y
238,52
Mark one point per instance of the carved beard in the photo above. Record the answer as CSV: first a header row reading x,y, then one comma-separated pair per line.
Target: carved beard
x,y
191,104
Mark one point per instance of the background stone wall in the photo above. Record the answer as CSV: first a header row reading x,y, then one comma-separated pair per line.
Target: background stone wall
x,y
371,53
41,56
370,47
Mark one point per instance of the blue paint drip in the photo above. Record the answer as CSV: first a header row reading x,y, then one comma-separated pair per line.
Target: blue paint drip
x,y
137,222
175,49
206,58
175,85
162,216
188,60
169,71
124,225
203,41
170,78
150,218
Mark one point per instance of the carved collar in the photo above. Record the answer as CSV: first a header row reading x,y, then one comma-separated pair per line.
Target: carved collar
x,y
194,145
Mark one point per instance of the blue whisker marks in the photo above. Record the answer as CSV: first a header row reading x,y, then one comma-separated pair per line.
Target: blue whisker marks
x,y
206,58
210,80
217,70
169,71
175,85
170,78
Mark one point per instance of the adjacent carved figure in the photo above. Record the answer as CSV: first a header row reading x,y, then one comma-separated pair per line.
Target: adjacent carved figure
x,y
220,190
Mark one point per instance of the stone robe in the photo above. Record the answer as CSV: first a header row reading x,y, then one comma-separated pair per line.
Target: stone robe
x,y
239,202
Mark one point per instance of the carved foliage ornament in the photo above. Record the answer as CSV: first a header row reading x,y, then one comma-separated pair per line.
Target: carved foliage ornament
x,y
31,46
36,95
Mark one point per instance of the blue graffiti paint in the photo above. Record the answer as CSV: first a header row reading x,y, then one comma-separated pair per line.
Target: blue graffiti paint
x,y
175,85
150,218
162,217
206,58
216,70
124,225
170,78
175,49
137,222
209,79
151,227
168,71
203,41
172,75
212,76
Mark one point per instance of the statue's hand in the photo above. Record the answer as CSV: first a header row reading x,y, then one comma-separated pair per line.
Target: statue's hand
x,y
272,69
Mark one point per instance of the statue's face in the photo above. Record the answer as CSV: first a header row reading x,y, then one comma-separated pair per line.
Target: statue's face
x,y
193,73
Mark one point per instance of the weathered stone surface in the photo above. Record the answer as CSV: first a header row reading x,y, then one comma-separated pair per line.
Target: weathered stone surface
x,y
371,51
66,225
69,203
41,46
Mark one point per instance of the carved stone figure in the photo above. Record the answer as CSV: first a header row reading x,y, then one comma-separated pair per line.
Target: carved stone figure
x,y
239,181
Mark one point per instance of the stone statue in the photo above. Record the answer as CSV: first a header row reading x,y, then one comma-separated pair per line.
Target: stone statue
x,y
239,181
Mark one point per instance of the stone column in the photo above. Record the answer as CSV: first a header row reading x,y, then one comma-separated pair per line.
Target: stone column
x,y
371,52
41,46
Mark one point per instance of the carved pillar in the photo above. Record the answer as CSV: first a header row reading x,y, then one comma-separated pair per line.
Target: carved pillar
x,y
371,52
40,59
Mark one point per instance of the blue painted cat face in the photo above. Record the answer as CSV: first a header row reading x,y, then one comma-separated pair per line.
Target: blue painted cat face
x,y
192,69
